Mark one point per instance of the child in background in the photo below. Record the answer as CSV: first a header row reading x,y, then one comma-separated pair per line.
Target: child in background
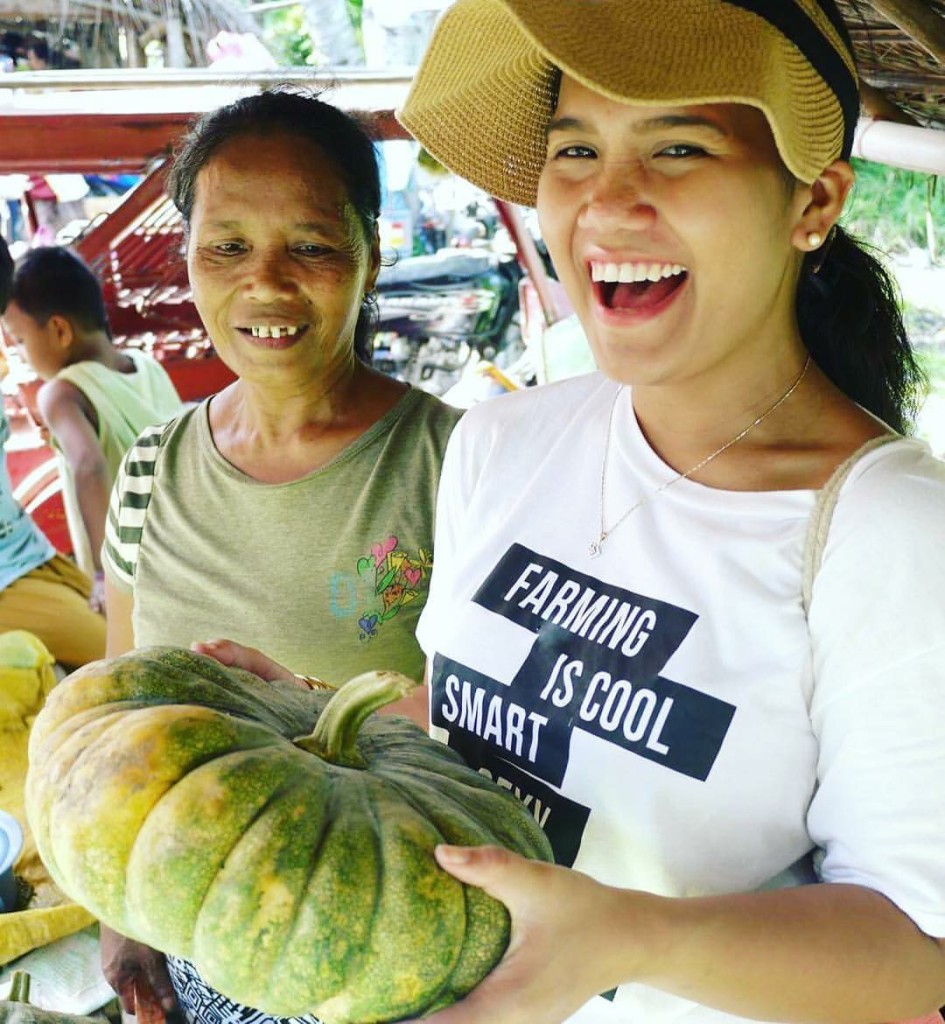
x,y
41,590
96,398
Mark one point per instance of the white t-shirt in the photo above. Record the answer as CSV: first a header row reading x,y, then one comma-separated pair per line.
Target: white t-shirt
x,y
668,712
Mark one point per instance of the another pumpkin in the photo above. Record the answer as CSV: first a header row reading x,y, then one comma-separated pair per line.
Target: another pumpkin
x,y
279,838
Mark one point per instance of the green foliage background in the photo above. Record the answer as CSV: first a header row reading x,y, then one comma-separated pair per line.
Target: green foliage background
x,y
896,210
287,37
900,212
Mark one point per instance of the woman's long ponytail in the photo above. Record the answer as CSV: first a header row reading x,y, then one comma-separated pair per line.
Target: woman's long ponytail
x,y
851,321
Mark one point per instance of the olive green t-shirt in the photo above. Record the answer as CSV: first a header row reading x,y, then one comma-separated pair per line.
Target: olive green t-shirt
x,y
327,574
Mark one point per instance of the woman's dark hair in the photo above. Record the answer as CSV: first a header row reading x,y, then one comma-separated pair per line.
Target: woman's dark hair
x,y
850,318
850,315
53,281
285,110
6,274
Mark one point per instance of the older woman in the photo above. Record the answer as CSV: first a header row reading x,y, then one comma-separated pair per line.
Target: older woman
x,y
293,510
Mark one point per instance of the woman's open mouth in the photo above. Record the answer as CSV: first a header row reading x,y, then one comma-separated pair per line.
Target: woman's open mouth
x,y
636,287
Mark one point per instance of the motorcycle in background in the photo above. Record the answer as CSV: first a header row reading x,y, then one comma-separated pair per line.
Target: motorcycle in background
x,y
438,311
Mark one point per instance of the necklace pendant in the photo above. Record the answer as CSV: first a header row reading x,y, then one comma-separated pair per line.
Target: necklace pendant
x,y
595,548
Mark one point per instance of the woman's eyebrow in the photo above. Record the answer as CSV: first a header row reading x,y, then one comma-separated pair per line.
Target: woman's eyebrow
x,y
652,124
664,121
233,224
565,124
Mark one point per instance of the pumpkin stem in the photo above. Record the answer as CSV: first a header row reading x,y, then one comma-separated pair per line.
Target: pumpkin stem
x,y
20,987
336,731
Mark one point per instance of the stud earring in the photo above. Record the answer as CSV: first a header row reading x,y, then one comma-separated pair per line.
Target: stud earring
x,y
815,239
822,249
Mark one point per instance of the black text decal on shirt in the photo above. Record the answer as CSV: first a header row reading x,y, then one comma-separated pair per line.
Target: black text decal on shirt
x,y
595,666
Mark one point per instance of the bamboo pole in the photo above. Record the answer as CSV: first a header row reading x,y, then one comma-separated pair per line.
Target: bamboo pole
x,y
915,18
901,145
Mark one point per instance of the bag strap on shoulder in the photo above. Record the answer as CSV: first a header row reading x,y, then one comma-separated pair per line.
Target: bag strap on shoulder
x,y
819,525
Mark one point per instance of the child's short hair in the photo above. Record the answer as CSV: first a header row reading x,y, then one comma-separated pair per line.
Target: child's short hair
x,y
53,281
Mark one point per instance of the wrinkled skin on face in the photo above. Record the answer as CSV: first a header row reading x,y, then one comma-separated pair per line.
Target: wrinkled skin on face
x,y
278,260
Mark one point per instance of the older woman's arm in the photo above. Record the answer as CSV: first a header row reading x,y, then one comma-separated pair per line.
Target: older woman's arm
x,y
119,634
228,652
137,973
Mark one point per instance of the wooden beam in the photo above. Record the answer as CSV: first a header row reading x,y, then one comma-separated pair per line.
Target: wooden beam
x,y
879,107
40,143
932,86
920,22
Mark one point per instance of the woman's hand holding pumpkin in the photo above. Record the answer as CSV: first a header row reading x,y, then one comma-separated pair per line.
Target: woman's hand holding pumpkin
x,y
573,938
228,652
135,972
234,655
564,947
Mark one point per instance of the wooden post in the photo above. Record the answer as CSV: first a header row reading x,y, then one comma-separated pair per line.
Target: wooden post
x,y
134,55
878,106
530,259
916,18
175,52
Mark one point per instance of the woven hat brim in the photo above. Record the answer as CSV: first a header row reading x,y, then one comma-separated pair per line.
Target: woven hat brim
x,y
484,92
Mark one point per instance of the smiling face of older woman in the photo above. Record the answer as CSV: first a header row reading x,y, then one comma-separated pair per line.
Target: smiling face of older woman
x,y
278,260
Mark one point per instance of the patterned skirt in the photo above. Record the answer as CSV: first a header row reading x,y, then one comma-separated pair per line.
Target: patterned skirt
x,y
200,1004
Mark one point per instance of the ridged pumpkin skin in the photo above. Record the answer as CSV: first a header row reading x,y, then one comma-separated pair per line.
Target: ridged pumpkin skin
x,y
167,795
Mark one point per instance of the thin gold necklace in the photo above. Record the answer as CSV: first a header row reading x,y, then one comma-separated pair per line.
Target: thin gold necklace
x,y
597,545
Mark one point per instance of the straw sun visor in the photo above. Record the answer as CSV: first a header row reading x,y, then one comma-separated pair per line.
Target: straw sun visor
x,y
485,91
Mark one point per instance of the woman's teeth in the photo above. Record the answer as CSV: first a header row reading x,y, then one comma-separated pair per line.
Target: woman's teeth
x,y
268,331
633,273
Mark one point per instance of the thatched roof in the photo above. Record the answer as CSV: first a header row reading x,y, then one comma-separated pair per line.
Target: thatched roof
x,y
221,12
215,14
900,47
93,24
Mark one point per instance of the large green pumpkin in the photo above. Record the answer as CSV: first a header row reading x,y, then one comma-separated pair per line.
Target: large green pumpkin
x,y
279,838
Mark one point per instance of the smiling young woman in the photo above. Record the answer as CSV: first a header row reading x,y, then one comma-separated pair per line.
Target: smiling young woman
x,y
694,197
740,759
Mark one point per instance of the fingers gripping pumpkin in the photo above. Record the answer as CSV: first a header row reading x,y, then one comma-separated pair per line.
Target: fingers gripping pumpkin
x,y
280,838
